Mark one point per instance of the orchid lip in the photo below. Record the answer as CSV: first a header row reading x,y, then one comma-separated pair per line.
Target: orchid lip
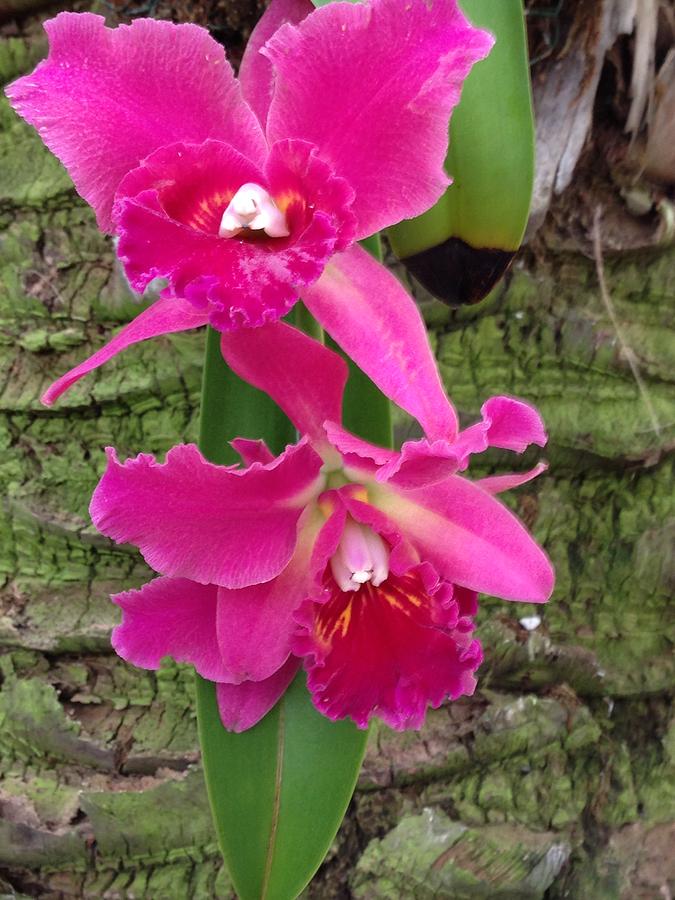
x,y
252,207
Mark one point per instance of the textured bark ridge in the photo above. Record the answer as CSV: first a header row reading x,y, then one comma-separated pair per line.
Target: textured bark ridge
x,y
555,780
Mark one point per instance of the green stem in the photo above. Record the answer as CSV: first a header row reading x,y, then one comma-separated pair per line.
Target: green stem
x,y
232,408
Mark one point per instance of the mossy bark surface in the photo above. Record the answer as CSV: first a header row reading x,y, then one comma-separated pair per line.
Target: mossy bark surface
x,y
555,779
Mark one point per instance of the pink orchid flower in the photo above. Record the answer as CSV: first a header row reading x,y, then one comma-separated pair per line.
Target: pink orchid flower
x,y
361,562
246,194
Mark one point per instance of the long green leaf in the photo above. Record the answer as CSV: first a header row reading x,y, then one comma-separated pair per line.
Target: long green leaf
x,y
461,247
279,791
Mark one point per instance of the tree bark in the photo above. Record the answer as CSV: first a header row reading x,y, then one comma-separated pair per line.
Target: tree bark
x,y
556,777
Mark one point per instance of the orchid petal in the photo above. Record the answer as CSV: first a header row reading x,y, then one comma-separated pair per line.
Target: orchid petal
x,y
165,316
420,463
255,623
243,705
188,186
496,484
369,314
170,617
349,445
213,524
302,376
389,651
508,423
373,86
168,213
256,75
105,98
470,538
252,451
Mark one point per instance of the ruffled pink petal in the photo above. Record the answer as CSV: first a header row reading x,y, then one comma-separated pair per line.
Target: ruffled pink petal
x,y
328,538
255,623
507,423
470,538
355,449
166,316
497,484
467,607
367,311
256,75
170,617
305,186
252,451
105,98
389,651
243,705
302,376
373,86
420,463
213,524
168,212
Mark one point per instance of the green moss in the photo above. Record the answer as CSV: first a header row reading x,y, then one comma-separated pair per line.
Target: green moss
x,y
430,856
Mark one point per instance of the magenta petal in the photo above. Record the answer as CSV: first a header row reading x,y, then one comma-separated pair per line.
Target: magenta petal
x,y
507,423
106,98
389,75
496,484
350,445
213,524
255,73
252,451
183,189
255,624
168,212
420,463
360,458
513,424
470,538
302,376
243,705
170,617
166,316
367,311
389,651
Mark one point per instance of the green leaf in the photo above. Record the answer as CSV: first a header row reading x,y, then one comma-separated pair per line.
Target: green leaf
x,y
461,247
491,152
279,791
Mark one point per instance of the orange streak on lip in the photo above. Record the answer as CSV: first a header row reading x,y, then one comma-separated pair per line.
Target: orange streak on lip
x,y
288,198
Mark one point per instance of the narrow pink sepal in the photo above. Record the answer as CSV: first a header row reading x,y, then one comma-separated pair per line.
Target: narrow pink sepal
x,y
256,75
165,316
496,484
390,74
471,539
170,617
106,98
213,524
302,376
243,705
376,322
